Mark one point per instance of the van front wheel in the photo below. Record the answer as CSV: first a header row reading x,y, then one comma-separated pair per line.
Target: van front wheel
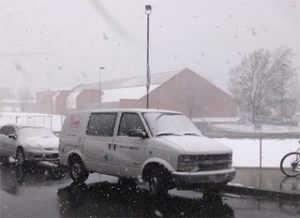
x,y
158,183
78,172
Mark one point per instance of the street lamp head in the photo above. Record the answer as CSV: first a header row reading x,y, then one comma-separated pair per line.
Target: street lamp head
x,y
101,68
148,9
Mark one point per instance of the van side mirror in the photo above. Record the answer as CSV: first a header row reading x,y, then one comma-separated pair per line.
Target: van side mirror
x,y
12,136
137,133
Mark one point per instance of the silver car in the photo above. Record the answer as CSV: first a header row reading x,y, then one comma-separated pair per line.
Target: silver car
x,y
28,143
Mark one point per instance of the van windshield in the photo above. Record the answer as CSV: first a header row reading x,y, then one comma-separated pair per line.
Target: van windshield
x,y
164,123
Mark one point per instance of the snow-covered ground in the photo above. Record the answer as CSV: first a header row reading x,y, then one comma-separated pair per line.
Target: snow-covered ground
x,y
250,128
246,152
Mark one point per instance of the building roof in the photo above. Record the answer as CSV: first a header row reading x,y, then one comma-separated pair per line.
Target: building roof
x,y
125,88
137,81
129,88
115,95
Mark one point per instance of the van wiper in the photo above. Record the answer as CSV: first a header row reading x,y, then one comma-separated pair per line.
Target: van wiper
x,y
191,133
166,133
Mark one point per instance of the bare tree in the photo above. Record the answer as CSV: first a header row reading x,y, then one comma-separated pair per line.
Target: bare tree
x,y
264,83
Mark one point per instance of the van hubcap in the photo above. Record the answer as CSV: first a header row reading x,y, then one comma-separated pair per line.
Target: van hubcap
x,y
153,185
76,170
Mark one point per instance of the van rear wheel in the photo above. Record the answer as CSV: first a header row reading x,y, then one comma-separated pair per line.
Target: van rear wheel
x,y
77,170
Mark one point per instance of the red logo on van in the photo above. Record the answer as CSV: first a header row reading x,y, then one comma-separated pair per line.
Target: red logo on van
x,y
74,123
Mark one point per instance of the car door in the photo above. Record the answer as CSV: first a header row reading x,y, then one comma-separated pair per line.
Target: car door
x,y
99,140
3,141
129,151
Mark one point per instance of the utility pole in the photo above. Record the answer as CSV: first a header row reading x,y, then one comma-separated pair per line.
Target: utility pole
x,y
100,68
148,9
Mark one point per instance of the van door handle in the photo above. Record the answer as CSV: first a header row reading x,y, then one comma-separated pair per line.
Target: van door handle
x,y
115,146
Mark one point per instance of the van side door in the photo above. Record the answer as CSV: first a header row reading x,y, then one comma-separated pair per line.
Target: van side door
x,y
98,140
129,151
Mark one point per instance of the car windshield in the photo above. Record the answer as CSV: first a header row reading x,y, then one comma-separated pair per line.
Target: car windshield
x,y
162,123
27,132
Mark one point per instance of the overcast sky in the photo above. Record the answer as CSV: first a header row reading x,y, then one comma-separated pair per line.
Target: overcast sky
x,y
46,44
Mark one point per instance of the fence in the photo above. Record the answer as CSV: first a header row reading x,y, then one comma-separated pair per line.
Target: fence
x,y
50,121
259,152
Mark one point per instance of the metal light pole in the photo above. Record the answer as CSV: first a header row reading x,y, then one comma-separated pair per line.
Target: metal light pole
x,y
148,9
281,100
100,68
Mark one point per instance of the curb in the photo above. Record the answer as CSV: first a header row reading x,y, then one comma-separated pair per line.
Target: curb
x,y
262,193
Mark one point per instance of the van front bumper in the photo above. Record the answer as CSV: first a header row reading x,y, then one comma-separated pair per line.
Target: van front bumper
x,y
202,179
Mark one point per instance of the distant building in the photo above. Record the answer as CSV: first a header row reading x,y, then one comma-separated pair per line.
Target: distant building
x,y
10,105
184,91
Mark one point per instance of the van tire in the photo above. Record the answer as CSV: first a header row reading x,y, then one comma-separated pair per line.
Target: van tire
x,y
158,183
77,170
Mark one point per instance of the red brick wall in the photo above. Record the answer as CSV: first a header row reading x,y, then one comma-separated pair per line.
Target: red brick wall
x,y
61,102
44,101
191,94
87,97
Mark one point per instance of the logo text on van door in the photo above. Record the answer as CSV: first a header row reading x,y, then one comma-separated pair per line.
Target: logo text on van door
x,y
74,123
128,147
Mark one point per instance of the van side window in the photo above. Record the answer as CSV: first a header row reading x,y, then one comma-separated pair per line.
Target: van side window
x,y
101,124
128,122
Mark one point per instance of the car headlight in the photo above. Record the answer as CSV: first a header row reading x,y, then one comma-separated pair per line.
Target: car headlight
x,y
33,147
188,163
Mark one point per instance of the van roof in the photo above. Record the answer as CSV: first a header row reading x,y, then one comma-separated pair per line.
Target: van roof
x,y
139,110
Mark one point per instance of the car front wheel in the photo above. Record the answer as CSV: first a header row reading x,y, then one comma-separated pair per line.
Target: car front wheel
x,y
20,157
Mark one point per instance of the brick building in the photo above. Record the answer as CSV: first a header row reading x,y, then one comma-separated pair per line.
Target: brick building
x,y
184,91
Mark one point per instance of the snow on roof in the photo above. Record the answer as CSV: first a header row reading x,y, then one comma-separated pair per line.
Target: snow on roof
x,y
156,79
14,101
72,100
114,95
141,110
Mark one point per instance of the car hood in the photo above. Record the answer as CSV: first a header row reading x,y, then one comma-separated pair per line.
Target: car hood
x,y
197,144
42,142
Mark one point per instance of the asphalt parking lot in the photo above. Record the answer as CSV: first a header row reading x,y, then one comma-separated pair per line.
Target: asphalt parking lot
x,y
39,193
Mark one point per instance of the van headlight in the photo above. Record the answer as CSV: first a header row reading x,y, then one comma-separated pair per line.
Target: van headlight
x,y
188,163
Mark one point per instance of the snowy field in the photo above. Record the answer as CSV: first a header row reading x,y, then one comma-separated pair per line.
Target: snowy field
x,y
246,152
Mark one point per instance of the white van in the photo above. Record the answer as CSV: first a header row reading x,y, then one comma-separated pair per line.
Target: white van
x,y
164,148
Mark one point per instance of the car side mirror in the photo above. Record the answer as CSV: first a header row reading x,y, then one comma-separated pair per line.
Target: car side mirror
x,y
137,133
12,136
